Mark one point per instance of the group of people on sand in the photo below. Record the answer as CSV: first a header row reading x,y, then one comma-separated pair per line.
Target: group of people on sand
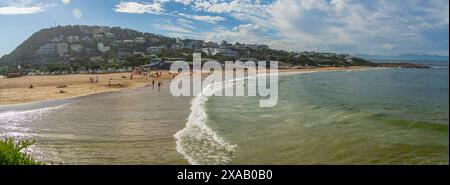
x,y
93,80
156,78
159,84
157,75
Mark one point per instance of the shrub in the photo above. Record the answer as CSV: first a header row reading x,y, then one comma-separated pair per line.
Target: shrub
x,y
11,152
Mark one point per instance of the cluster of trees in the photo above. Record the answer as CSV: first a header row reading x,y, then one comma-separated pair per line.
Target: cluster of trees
x,y
3,70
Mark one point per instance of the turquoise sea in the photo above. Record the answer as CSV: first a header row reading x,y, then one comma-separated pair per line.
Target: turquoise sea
x,y
377,116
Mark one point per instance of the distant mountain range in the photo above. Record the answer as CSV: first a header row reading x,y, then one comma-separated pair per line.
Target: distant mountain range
x,y
403,57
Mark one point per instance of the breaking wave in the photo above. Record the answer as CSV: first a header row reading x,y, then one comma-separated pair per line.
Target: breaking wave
x,y
197,142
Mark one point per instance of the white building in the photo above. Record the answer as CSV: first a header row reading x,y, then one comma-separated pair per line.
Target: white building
x,y
142,54
58,39
76,48
216,51
154,40
62,49
128,41
98,36
96,59
105,29
154,49
123,54
110,35
86,39
103,48
140,40
73,38
117,43
348,58
228,53
47,49
211,51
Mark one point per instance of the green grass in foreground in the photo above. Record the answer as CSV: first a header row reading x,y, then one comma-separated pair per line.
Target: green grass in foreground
x,y
11,152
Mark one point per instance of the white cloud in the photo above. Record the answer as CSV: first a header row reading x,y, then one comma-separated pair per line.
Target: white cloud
x,y
66,1
172,28
329,25
185,23
156,7
219,6
139,8
244,33
204,18
11,10
185,2
21,7
349,25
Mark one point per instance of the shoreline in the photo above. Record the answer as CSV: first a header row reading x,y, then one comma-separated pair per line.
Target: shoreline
x,y
14,91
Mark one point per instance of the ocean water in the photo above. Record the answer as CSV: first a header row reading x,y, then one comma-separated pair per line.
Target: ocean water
x,y
124,127
379,116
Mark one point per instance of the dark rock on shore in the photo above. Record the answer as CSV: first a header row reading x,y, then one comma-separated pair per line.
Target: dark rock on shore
x,y
402,65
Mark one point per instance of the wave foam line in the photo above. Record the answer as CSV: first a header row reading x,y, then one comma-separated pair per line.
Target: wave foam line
x,y
27,115
197,142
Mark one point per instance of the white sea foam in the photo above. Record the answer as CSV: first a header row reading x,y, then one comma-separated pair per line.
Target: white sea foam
x,y
197,142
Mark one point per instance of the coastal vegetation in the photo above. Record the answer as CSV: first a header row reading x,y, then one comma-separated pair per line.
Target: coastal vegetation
x,y
11,152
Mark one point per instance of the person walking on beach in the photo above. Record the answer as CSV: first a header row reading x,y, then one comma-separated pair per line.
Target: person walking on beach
x,y
159,85
153,83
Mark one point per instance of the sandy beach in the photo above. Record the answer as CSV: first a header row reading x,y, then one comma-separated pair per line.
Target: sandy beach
x,y
17,90
50,87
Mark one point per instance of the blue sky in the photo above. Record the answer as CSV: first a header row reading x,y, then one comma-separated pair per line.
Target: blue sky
x,y
385,27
